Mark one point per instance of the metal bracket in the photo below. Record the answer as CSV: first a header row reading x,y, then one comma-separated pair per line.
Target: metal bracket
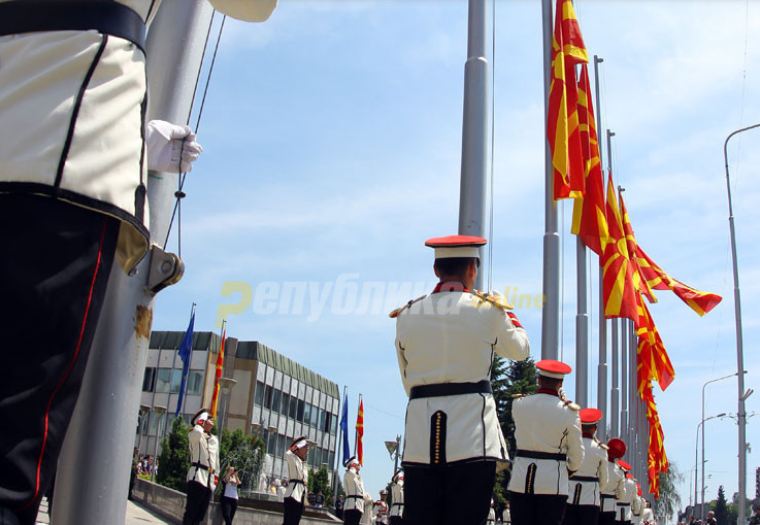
x,y
165,269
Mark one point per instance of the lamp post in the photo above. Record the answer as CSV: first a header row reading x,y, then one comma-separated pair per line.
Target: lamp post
x,y
394,449
226,384
159,411
702,512
696,467
741,415
144,409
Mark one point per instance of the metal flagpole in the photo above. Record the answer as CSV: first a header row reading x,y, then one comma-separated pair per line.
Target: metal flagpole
x,y
633,405
92,482
602,367
472,195
581,328
624,382
615,391
550,312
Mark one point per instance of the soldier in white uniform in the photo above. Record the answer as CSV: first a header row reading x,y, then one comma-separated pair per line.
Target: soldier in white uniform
x,y
584,501
298,481
354,487
73,187
614,489
204,459
491,515
445,344
397,495
623,511
380,508
549,445
506,516
637,506
647,516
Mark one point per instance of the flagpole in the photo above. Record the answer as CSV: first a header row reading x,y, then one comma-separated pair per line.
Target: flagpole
x,y
615,391
602,367
550,312
581,327
356,434
339,446
472,195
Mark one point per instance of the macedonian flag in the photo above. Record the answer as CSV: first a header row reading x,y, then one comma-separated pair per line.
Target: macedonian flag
x,y
617,282
562,131
653,360
657,279
589,220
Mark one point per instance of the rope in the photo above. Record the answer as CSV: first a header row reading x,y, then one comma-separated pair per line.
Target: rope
x,y
493,139
179,194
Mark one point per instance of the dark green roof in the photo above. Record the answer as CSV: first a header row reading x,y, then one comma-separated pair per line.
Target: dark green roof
x,y
171,340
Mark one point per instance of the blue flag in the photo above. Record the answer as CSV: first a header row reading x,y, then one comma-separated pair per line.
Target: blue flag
x,y
344,427
185,351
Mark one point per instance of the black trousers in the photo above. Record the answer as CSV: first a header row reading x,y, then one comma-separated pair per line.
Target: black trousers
x,y
293,512
198,498
458,494
606,518
396,520
229,508
352,517
536,509
581,515
54,269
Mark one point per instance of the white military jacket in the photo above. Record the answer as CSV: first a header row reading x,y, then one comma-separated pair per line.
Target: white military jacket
x,y
213,454
550,431
506,516
354,487
636,507
592,474
491,516
75,102
451,337
380,511
397,495
614,489
298,477
202,465
647,516
623,506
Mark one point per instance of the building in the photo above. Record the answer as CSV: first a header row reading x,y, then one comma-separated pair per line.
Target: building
x,y
273,397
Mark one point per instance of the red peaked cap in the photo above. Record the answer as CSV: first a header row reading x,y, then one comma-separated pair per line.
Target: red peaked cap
x,y
616,448
552,368
456,246
625,465
590,416
640,492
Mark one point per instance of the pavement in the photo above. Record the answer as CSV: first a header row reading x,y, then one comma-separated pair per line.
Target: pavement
x,y
136,515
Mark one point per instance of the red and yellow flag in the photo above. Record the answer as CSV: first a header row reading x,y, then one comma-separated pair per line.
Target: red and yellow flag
x,y
639,283
589,220
657,279
653,360
360,432
562,130
617,282
219,367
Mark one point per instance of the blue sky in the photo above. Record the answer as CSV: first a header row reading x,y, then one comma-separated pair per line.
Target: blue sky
x,y
332,144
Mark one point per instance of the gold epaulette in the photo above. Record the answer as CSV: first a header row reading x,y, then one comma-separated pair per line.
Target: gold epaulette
x,y
498,301
518,396
400,309
572,406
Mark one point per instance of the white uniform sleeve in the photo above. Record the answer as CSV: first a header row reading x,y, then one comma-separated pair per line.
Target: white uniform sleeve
x,y
511,339
620,489
575,448
402,364
602,469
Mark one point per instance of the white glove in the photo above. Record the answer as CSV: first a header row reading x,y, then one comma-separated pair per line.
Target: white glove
x,y
171,148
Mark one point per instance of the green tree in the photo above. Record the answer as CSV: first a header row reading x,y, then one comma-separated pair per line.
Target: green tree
x,y
174,460
320,481
245,453
669,501
508,381
721,507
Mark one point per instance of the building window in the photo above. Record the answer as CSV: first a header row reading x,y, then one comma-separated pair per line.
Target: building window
x,y
149,379
285,404
259,397
334,426
314,416
268,397
276,400
307,414
300,410
293,407
163,381
176,381
322,415
280,446
194,382
327,422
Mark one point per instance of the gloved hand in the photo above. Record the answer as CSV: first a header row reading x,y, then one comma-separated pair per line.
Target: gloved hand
x,y
171,148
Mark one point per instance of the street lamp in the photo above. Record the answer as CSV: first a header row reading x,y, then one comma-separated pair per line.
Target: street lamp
x,y
702,511
159,410
696,466
741,415
394,449
226,384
